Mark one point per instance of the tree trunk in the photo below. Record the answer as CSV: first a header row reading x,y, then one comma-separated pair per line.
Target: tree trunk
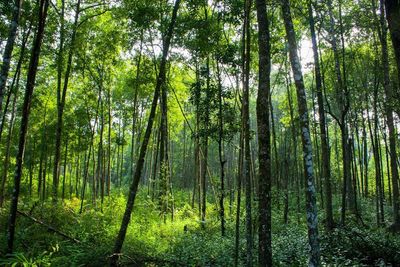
x,y
311,205
222,161
30,84
8,147
64,168
87,158
326,172
239,196
61,95
140,162
135,108
246,134
264,137
8,49
164,165
109,142
393,17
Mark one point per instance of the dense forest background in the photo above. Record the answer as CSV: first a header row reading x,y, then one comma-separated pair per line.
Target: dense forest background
x,y
199,133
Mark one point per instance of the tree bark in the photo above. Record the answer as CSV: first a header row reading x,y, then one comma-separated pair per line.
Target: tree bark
x,y
222,160
389,96
30,84
264,137
311,205
393,19
246,134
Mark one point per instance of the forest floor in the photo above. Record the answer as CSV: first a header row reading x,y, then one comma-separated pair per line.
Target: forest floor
x,y
155,240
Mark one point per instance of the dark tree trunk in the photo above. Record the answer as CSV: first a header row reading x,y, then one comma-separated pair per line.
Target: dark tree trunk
x,y
100,161
30,84
87,158
246,134
222,161
164,165
61,95
135,105
295,173
8,49
311,205
64,169
109,142
393,17
8,147
140,162
15,82
204,145
365,159
264,137
13,91
326,172
239,196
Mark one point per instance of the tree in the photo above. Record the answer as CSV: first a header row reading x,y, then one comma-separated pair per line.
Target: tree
x,y
264,136
390,98
30,85
311,205
393,19
5,67
326,169
140,162
246,131
62,94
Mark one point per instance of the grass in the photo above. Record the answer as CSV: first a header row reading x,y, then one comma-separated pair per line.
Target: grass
x,y
155,240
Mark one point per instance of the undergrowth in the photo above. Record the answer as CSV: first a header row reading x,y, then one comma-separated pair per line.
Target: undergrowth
x,y
155,239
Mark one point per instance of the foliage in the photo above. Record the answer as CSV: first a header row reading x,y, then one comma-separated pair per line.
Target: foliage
x,y
151,240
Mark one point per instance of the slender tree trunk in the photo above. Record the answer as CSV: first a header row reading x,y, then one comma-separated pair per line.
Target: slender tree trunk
x,y
121,169
117,180
65,168
87,159
13,91
78,169
375,150
295,175
286,173
365,159
246,134
222,160
264,137
7,54
135,108
100,161
109,142
17,74
393,17
139,166
60,62
388,168
30,84
8,147
164,165
326,172
204,145
61,95
239,196
311,205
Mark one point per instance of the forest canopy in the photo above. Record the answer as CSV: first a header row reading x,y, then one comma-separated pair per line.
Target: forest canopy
x,y
199,133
